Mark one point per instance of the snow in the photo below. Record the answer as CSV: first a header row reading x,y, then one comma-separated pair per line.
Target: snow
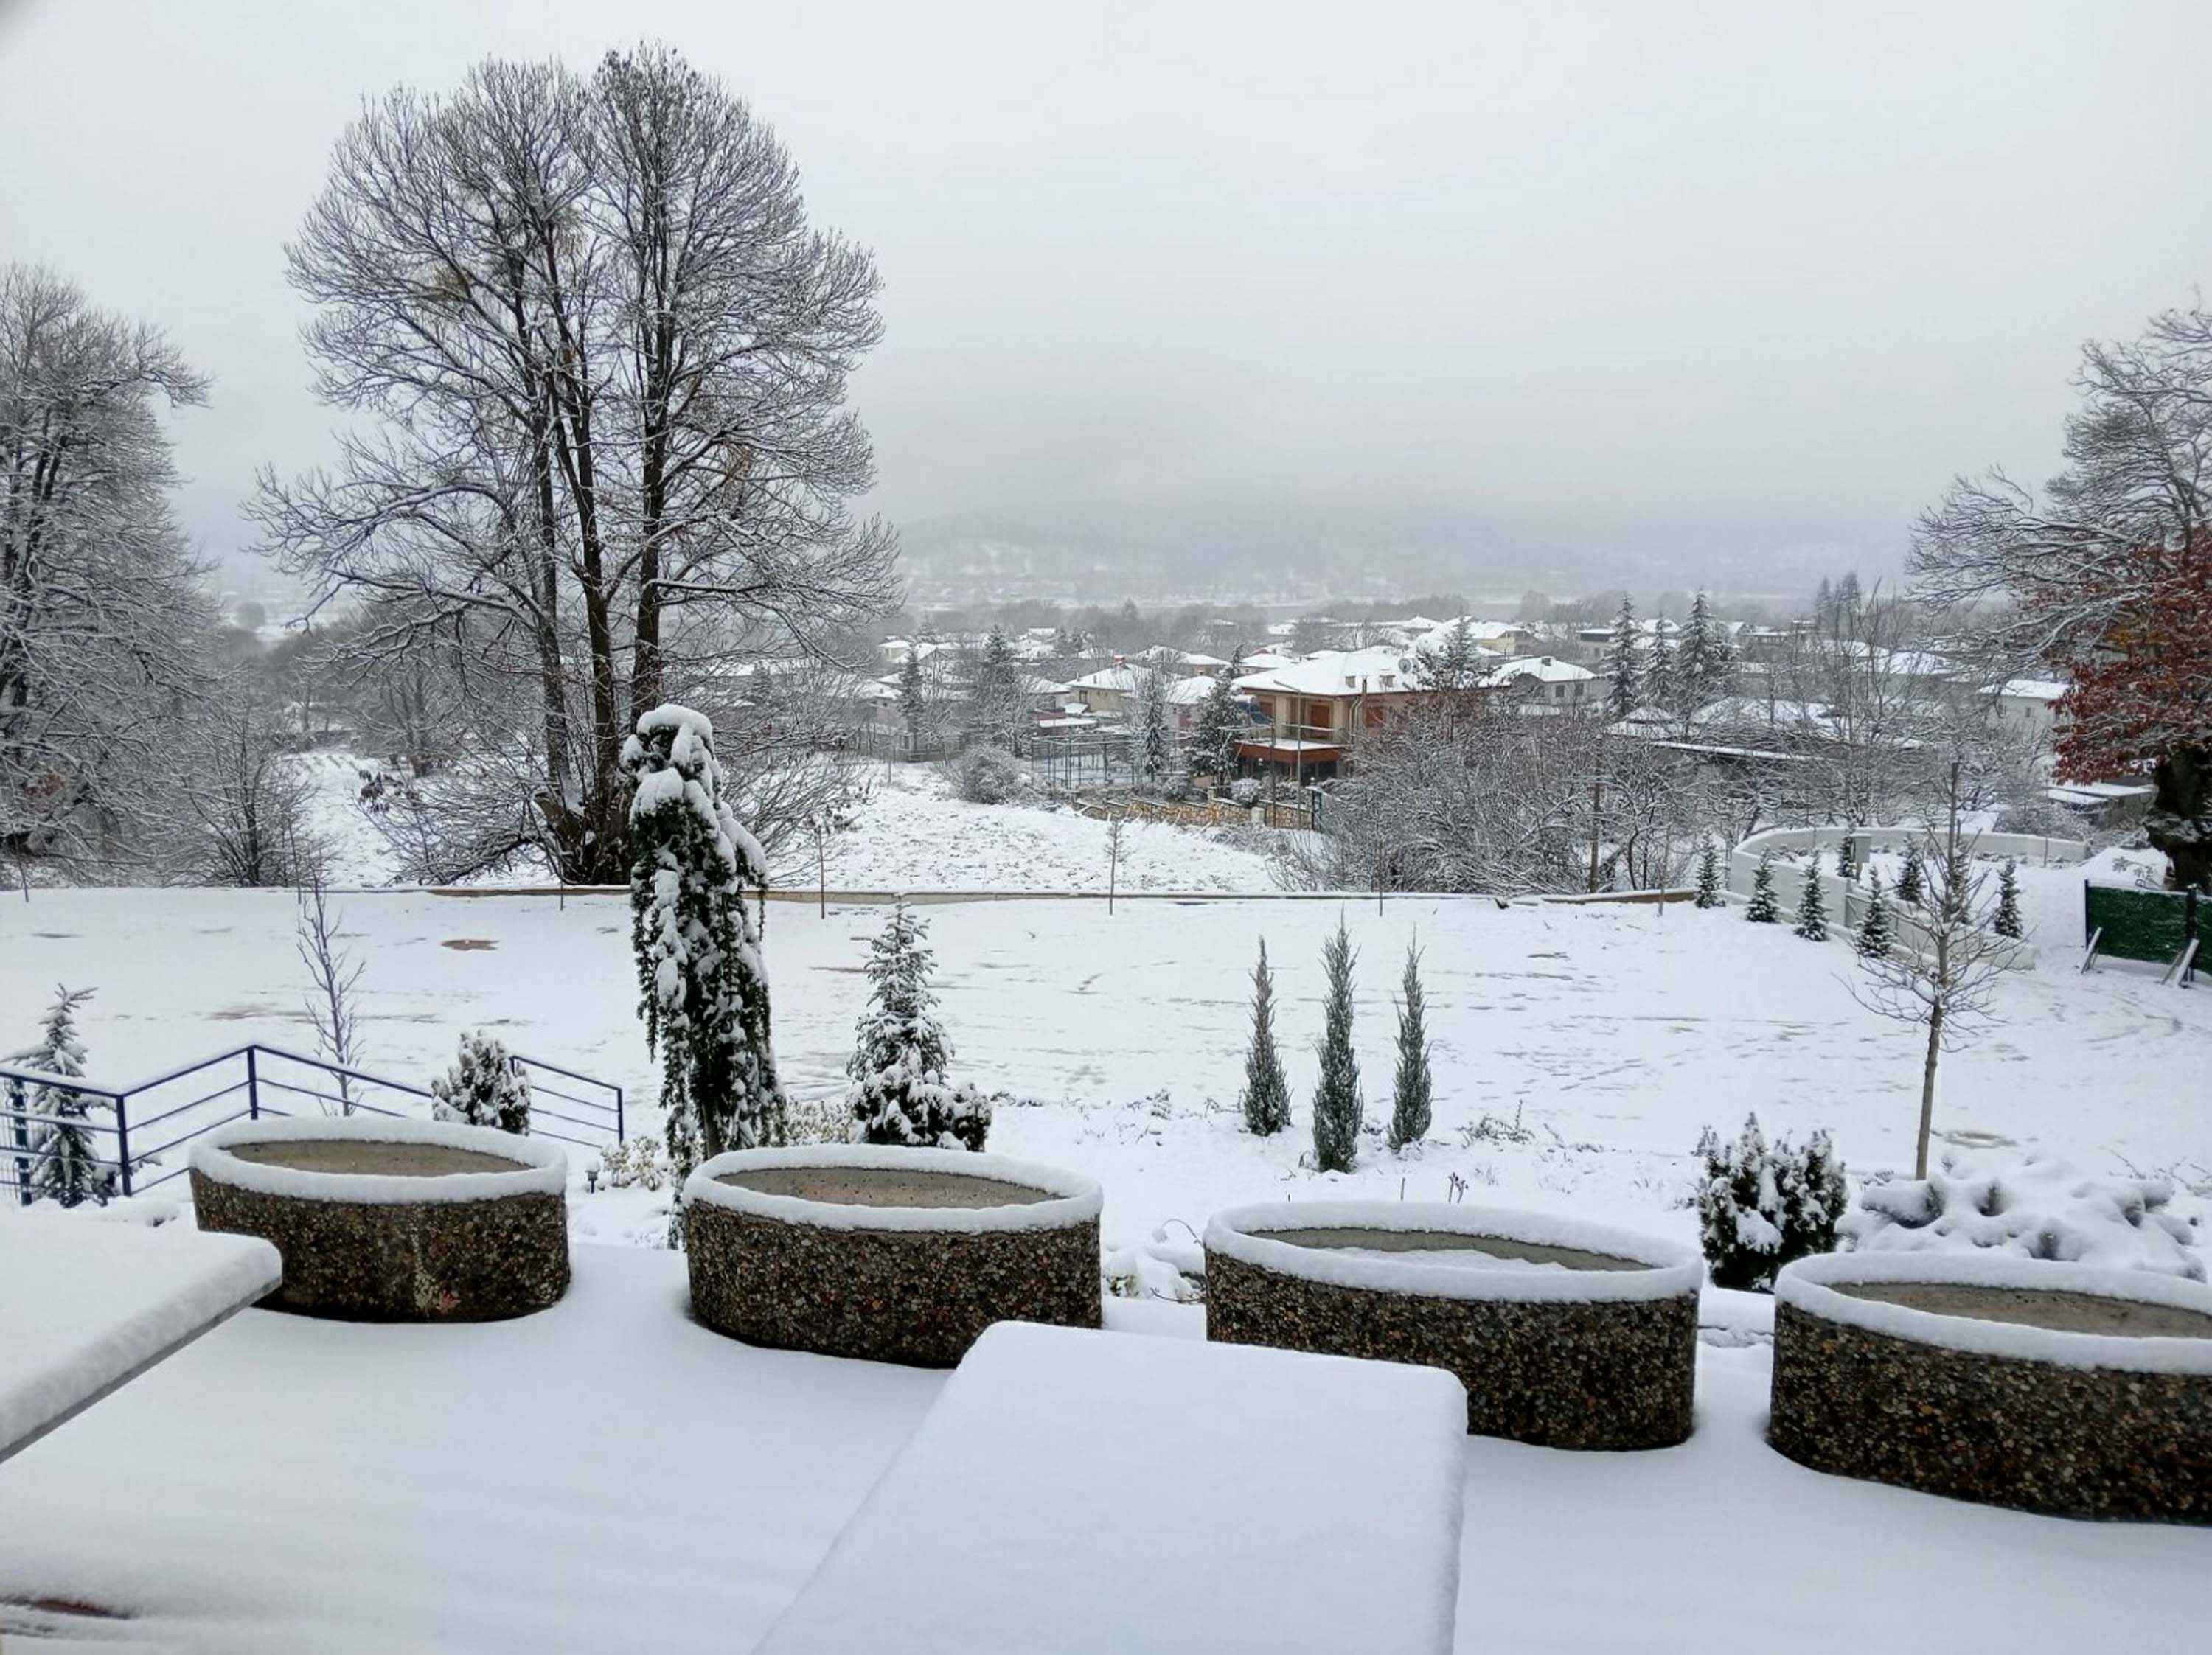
x,y
1811,1284
1330,1489
608,1476
1075,1200
85,1305
1614,1034
1671,1271
543,1170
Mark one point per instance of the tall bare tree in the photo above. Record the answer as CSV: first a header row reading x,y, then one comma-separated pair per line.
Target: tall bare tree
x,y
602,359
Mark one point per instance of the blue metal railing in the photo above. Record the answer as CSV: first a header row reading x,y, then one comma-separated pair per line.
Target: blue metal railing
x,y
256,1080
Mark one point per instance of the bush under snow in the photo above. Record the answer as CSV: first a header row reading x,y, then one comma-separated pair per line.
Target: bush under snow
x,y
1761,1205
2038,1208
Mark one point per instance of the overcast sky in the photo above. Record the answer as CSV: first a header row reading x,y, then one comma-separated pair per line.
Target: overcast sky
x,y
1540,261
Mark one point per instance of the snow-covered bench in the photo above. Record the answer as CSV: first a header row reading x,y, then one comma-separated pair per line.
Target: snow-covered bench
x,y
1107,1493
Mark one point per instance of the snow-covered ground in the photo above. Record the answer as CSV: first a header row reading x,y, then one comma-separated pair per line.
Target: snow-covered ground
x,y
608,1475
1579,1049
912,834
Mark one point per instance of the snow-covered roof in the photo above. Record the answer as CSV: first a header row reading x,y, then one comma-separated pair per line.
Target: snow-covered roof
x,y
2031,689
1269,660
1338,672
1119,678
1189,692
1544,668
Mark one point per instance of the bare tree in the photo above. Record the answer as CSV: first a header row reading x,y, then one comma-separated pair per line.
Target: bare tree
x,y
1117,821
102,618
601,359
1944,980
237,804
333,976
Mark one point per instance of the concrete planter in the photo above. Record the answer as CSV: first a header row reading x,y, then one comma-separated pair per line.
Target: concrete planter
x,y
2049,1388
887,1254
1571,1334
392,1221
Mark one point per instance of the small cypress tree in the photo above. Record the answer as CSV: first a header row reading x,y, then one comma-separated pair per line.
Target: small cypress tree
x,y
1764,909
483,1087
1912,876
1410,1108
1338,1105
64,1156
1846,868
1874,940
1266,1099
2007,921
899,1093
1709,875
1812,905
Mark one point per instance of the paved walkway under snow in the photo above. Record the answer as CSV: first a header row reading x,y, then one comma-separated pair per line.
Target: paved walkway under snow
x,y
608,1476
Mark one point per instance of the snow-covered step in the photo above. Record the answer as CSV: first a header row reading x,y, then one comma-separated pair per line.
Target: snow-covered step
x,y
1023,1514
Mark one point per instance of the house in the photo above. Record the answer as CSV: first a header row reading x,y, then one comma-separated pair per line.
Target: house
x,y
2028,706
1545,683
1315,707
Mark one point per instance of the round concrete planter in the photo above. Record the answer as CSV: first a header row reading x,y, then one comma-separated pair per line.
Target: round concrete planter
x,y
2049,1387
392,1221
888,1254
1571,1334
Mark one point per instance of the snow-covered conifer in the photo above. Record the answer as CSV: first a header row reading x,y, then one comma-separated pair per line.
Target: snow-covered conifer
x,y
1266,1099
1812,905
1709,875
704,984
1759,1206
1846,868
1338,1105
483,1088
61,1129
1875,938
1624,657
1410,1108
1911,878
1764,909
1213,738
899,1093
2006,921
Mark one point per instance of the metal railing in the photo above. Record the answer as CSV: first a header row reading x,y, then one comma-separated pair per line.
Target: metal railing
x,y
112,1125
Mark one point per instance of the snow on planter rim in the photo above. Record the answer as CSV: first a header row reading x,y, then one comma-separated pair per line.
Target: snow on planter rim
x,y
1811,1285
1666,1270
541,1168
1069,1199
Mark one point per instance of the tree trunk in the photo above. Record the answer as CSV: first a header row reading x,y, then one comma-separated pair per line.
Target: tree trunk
x,y
1928,1088
2180,821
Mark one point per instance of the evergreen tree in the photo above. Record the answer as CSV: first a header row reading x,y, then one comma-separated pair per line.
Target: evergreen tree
x,y
1705,661
1338,1105
1911,878
1456,663
1266,1099
1761,1207
1156,750
1410,1108
1624,662
701,981
1846,868
1812,905
995,693
61,1147
899,1093
2007,922
911,702
1662,685
1709,875
1764,909
1213,739
483,1088
1874,940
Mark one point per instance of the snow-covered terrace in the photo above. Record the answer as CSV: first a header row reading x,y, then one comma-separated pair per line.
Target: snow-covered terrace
x,y
608,1475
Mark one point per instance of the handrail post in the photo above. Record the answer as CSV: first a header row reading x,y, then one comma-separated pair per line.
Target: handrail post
x,y
19,1104
253,1087
618,1115
123,1137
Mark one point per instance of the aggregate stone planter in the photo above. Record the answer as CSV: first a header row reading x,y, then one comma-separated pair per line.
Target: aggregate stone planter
x,y
1571,1334
392,1221
2049,1388
884,1253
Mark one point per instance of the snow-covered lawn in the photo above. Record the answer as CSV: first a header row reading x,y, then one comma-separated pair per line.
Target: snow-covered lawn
x,y
912,834
609,1477
1579,1049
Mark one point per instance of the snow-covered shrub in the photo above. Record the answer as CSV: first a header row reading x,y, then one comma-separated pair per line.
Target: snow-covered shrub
x,y
65,1164
1912,877
988,775
1812,905
2040,1207
703,985
1266,1100
1761,1205
2007,921
1338,1105
634,1162
899,1093
1245,791
1876,937
1709,875
483,1088
1764,908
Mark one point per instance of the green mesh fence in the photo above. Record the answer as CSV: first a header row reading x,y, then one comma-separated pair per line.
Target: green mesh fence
x,y
2139,924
